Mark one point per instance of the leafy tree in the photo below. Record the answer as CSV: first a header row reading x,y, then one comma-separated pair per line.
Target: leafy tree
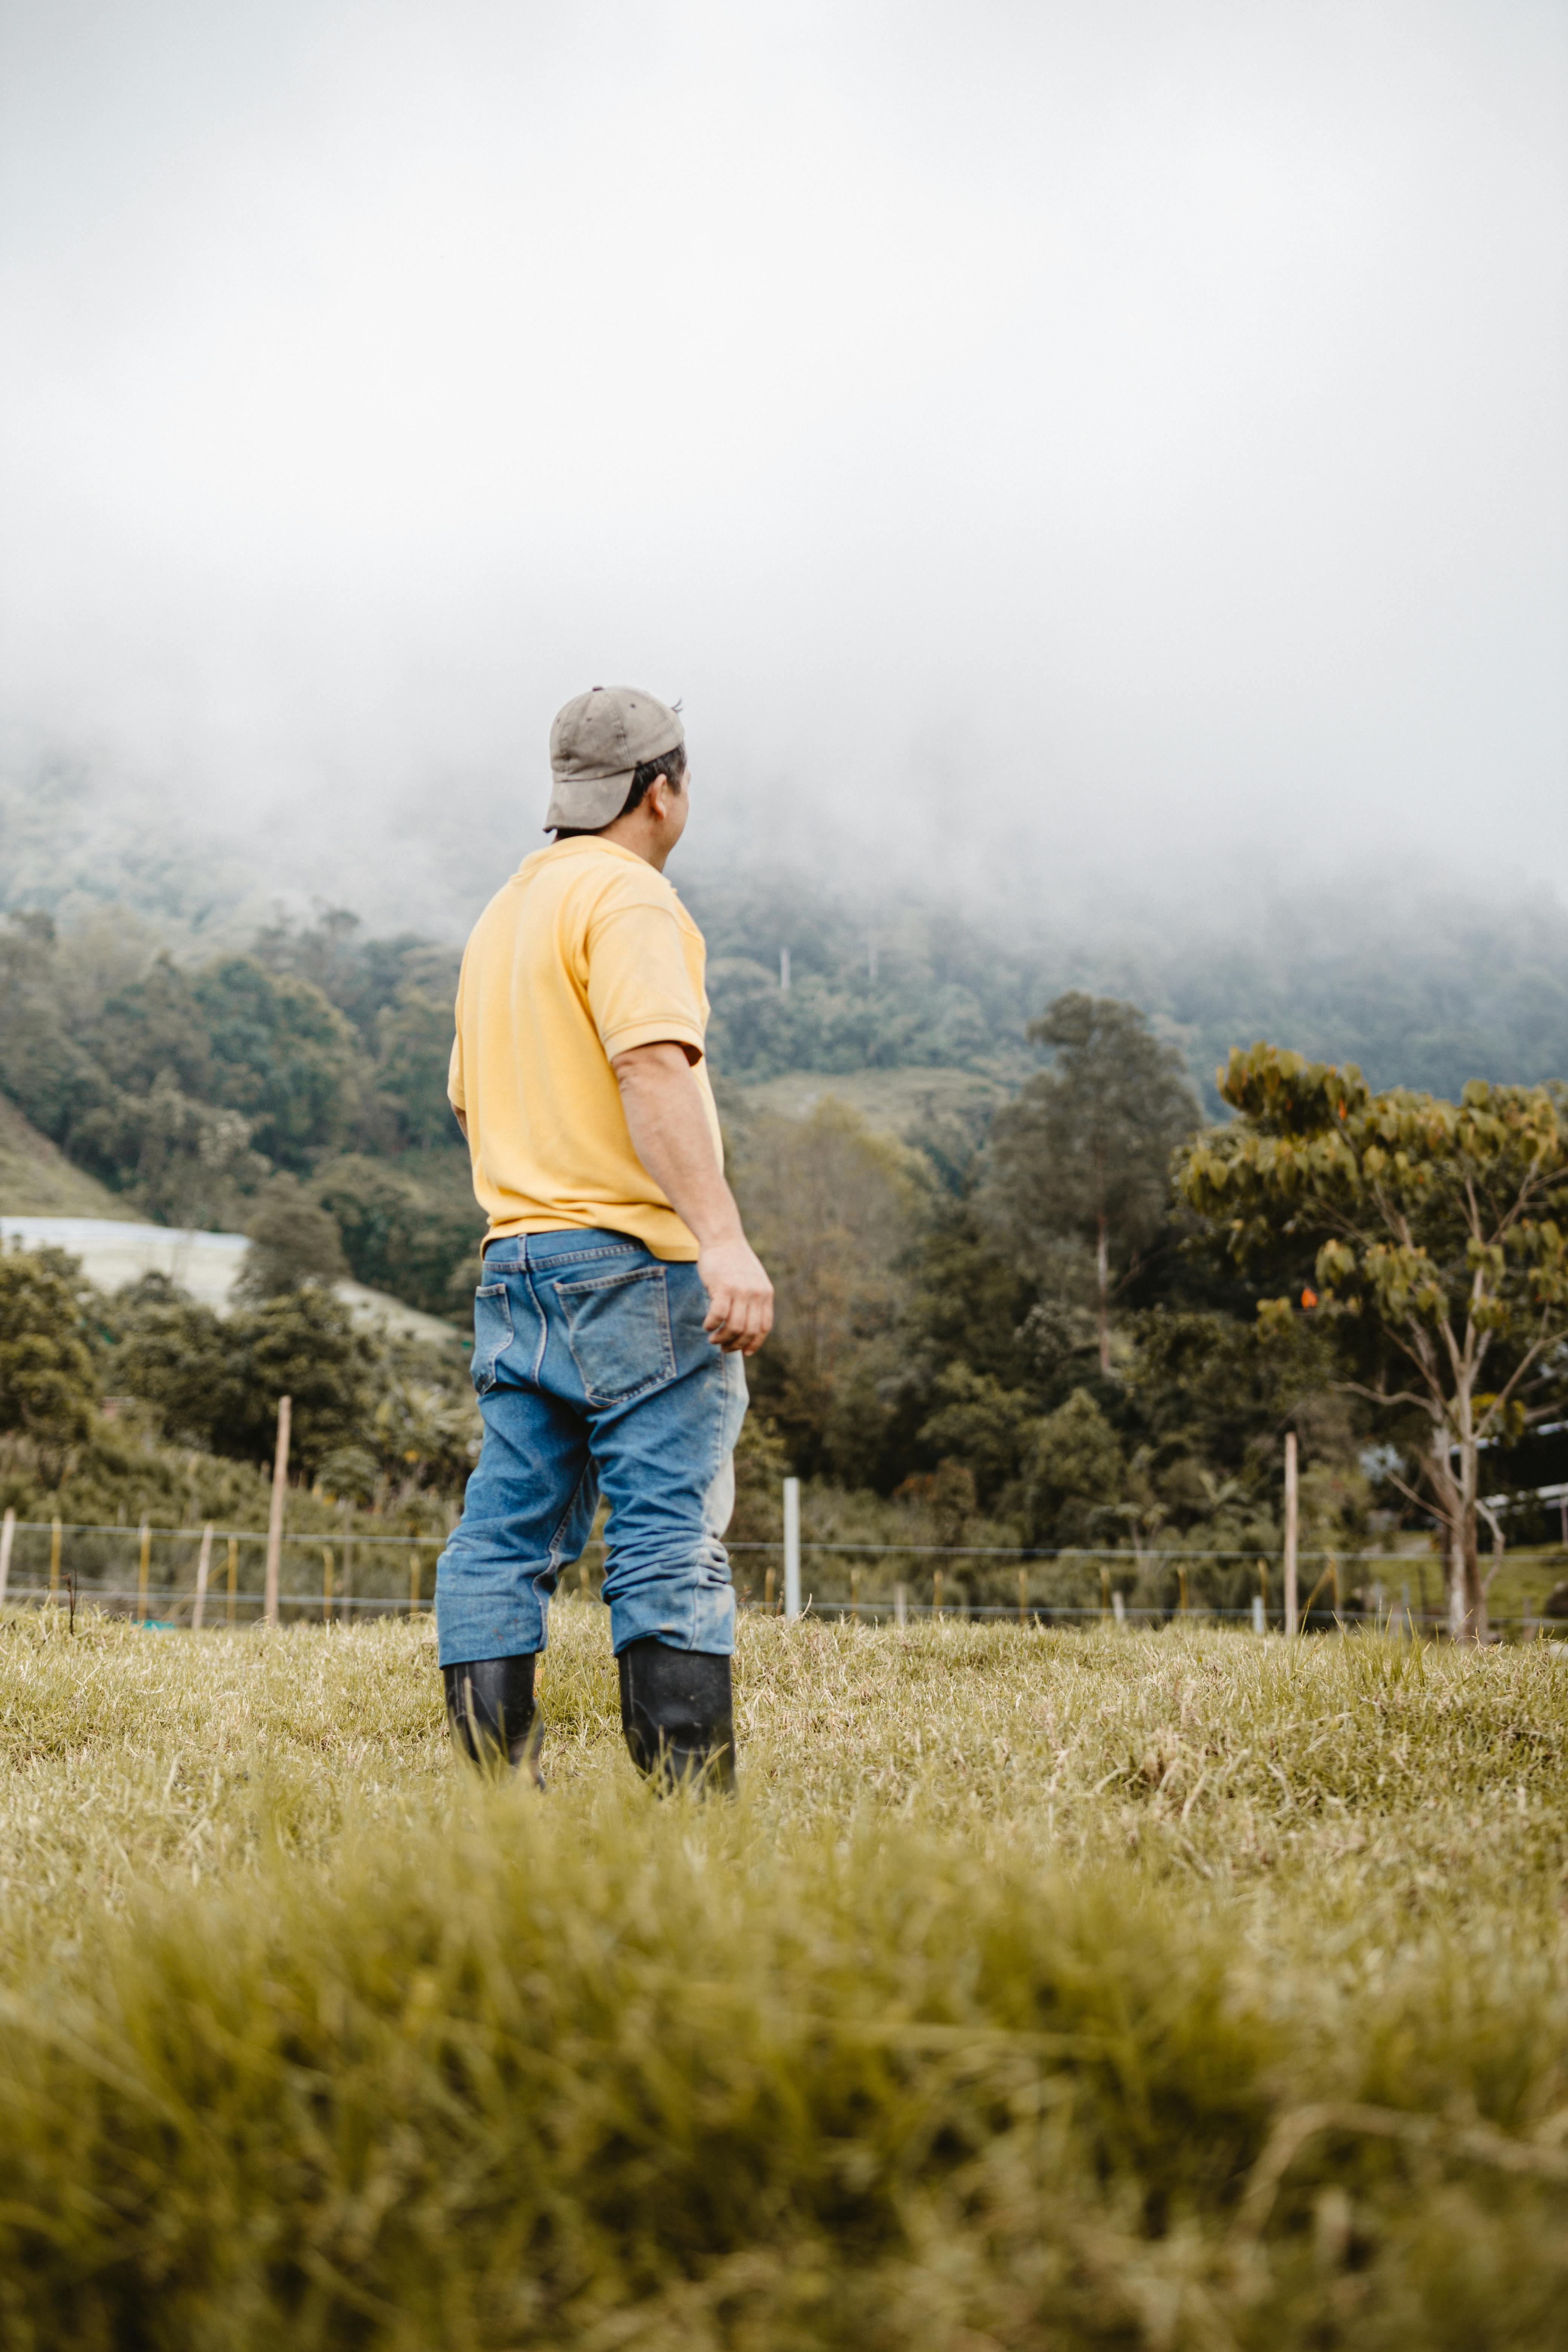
x,y
947,1496
187,1163
833,1210
174,1354
1077,1476
1434,1233
982,1425
970,1301
43,1067
761,1464
301,1344
293,1241
429,1434
149,1026
361,1405
361,977
409,1227
416,1039
284,1055
49,1376
1211,1399
1084,1153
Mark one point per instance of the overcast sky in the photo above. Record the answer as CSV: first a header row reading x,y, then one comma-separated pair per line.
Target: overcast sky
x,y
1034,436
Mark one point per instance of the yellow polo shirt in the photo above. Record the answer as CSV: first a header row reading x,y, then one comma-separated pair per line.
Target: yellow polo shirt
x,y
585,952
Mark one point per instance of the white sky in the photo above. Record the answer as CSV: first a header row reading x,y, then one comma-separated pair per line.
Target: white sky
x,y
1125,436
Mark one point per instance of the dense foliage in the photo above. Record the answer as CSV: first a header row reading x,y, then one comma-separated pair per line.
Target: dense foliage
x,y
1425,989
188,1089
1434,1233
373,1416
953,1336
49,1378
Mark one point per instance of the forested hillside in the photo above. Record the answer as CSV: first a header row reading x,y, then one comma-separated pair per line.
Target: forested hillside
x,y
945,1351
1423,989
186,1086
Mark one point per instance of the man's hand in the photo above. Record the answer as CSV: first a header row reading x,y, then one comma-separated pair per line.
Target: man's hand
x,y
740,1296
670,1135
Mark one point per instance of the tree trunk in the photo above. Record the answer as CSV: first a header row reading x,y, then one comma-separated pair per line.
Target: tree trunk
x,y
1102,1270
1466,1593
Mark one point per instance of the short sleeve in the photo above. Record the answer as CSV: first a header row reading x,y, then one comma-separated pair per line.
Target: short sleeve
x,y
640,991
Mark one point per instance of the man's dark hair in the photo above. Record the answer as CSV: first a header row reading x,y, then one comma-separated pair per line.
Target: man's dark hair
x,y
670,765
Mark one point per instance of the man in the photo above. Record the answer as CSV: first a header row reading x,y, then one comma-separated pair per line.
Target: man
x,y
619,1293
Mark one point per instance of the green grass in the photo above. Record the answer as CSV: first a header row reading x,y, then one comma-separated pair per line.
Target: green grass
x,y
1041,1991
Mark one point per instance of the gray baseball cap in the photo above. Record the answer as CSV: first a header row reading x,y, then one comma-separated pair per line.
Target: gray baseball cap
x,y
595,746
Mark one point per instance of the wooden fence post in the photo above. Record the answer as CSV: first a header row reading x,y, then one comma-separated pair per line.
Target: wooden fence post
x,y
1290,1528
53,1559
203,1563
1024,1594
7,1538
233,1578
413,1584
144,1567
326,1584
275,1522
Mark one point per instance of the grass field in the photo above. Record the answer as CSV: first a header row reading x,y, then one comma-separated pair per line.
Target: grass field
x,y
1041,1990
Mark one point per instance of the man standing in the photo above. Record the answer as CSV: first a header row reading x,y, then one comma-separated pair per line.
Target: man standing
x,y
619,1292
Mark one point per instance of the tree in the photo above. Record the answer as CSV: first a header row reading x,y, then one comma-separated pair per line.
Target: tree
x,y
146,1028
43,1067
415,1038
282,1055
1434,1231
185,1161
1077,1476
982,1425
301,1344
293,1241
402,1232
174,1354
1083,1156
832,1209
48,1380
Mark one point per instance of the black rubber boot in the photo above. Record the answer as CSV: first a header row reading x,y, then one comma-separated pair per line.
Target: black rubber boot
x,y
489,1706
676,1714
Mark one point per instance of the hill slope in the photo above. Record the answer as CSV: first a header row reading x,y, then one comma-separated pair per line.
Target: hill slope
x,y
37,1181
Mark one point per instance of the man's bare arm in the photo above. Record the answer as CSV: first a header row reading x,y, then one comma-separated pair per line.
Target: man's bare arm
x,y
670,1135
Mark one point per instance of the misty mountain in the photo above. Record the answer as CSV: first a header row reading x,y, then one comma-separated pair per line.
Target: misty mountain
x,y
1420,982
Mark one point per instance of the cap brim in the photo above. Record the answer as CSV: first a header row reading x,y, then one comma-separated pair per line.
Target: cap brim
x,y
588,802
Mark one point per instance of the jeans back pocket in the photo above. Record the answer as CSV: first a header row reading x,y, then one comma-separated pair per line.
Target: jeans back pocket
x,y
617,1329
493,1334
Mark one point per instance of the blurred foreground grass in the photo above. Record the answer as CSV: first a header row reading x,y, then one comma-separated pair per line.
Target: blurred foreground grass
x,y
1041,1990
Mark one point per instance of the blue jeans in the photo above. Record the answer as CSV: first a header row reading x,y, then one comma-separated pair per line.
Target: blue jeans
x,y
593,1372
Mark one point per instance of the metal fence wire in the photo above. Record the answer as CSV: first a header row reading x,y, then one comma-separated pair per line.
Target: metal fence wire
x,y
171,1578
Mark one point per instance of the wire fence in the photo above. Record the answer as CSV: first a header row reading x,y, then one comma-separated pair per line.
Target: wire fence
x,y
170,1578
167,1577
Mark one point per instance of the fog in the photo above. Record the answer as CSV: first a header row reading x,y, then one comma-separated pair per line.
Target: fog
x,y
1112,448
